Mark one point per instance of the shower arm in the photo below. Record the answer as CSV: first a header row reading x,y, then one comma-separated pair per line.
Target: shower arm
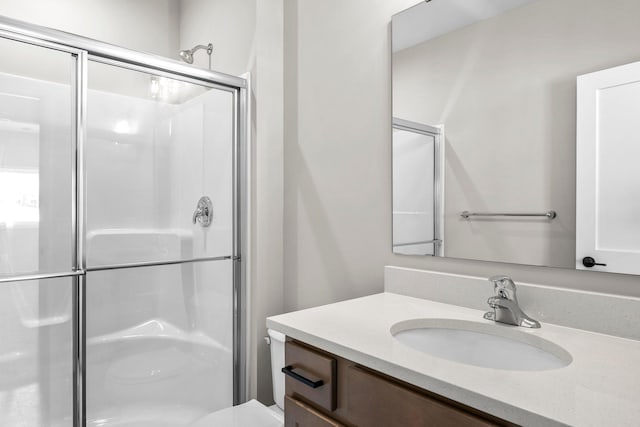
x,y
208,48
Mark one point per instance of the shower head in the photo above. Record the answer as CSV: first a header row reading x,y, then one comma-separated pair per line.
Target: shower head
x,y
187,54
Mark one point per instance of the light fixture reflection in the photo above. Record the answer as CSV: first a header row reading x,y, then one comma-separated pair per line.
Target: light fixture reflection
x,y
124,127
155,87
164,89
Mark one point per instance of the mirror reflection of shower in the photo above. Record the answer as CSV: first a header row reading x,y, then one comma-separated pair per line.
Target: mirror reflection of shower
x,y
187,54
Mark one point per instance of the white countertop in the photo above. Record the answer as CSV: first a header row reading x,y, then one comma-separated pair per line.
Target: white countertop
x,y
601,387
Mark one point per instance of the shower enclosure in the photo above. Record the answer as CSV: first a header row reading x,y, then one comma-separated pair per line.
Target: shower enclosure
x,y
418,180
121,234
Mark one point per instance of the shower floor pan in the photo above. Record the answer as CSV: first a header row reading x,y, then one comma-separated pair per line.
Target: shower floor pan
x,y
155,374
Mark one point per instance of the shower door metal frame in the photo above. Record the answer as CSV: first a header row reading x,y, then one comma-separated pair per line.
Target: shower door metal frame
x,y
84,50
437,132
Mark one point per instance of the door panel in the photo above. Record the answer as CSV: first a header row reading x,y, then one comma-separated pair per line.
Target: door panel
x,y
608,177
37,113
159,343
154,147
36,353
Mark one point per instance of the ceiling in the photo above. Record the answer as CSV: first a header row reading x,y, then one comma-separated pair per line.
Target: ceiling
x,y
430,19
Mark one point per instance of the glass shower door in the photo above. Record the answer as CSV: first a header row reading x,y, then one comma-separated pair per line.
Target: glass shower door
x,y
417,182
159,344
37,247
159,286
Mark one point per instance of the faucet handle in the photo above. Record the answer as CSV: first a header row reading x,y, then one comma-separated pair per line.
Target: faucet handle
x,y
198,213
504,287
204,212
499,278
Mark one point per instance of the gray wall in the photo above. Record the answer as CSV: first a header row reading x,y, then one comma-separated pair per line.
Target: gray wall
x,y
337,176
505,89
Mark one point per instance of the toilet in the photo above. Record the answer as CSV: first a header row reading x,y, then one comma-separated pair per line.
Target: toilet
x,y
254,413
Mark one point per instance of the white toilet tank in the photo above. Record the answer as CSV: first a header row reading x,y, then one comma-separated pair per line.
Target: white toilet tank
x,y
277,363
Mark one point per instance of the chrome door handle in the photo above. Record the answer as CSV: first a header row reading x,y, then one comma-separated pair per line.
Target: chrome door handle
x,y
204,212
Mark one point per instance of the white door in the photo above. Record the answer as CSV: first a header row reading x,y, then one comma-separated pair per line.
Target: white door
x,y
608,170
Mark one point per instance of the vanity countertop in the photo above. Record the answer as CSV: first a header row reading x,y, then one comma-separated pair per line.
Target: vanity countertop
x,y
600,387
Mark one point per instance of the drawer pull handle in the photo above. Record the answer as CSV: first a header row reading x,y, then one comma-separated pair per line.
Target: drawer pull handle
x,y
302,376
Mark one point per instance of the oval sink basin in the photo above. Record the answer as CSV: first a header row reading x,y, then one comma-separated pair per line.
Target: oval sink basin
x,y
480,344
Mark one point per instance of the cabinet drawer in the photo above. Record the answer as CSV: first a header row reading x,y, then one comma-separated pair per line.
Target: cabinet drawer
x,y
376,401
299,414
311,375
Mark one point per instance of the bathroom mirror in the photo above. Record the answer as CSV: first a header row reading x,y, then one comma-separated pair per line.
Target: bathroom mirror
x,y
495,81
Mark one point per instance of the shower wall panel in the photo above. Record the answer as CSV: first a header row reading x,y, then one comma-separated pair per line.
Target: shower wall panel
x,y
200,163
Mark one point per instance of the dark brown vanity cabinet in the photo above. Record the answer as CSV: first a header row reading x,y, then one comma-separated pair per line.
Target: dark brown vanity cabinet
x,y
299,414
324,390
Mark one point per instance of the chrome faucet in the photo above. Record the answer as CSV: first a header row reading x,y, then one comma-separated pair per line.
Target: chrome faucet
x,y
505,304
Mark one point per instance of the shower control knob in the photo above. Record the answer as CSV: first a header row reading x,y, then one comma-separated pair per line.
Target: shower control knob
x,y
590,262
204,212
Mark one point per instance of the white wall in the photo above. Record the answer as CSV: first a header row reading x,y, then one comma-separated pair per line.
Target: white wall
x,y
145,25
267,245
337,212
337,196
229,25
